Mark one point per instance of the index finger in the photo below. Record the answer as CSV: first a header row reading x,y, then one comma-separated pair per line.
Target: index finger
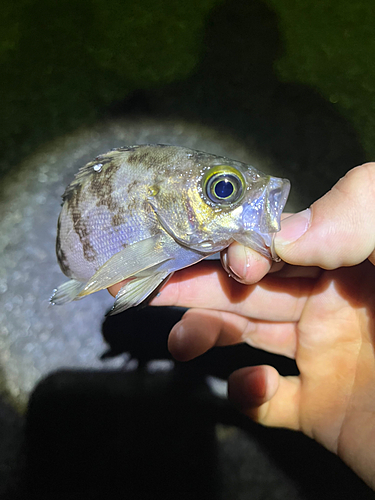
x,y
206,285
246,265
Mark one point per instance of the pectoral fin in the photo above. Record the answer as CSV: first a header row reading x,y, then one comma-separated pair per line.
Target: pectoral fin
x,y
131,261
137,290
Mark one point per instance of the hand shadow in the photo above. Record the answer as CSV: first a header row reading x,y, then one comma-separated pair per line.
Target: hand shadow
x,y
142,334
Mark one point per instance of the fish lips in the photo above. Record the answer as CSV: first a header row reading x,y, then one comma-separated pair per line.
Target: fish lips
x,y
261,217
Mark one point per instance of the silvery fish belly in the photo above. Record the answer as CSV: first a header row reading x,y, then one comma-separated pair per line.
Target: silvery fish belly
x,y
139,213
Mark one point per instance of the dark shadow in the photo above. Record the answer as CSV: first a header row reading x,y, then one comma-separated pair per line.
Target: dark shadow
x,y
316,472
235,89
11,449
143,334
97,435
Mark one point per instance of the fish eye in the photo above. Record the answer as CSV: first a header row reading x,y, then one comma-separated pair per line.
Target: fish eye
x,y
223,185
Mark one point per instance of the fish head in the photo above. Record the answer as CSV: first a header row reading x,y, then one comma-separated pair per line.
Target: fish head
x,y
219,201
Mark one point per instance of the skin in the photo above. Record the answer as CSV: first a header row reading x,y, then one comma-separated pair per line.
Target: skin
x,y
317,307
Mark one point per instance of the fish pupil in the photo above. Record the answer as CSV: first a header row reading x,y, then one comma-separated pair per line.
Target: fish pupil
x,y
224,189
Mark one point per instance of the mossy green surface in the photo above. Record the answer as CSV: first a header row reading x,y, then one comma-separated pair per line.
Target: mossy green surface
x,y
63,62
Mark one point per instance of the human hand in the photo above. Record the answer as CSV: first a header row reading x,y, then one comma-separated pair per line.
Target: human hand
x,y
321,314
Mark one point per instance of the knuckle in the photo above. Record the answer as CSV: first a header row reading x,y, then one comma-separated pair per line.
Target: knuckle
x,y
359,181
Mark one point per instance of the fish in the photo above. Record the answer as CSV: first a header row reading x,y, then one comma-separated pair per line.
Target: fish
x,y
139,213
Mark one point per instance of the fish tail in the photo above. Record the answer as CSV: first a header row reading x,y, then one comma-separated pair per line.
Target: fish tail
x,y
66,292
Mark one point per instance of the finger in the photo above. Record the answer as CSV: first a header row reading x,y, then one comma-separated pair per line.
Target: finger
x,y
260,268
288,271
256,266
201,329
338,228
207,286
266,397
279,269
244,264
114,289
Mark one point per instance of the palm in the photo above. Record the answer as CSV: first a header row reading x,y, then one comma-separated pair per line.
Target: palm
x,y
335,356
325,323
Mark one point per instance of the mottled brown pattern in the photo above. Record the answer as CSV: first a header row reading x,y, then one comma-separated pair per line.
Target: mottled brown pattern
x,y
119,217
130,187
79,224
143,157
81,177
133,204
61,256
102,184
83,233
59,225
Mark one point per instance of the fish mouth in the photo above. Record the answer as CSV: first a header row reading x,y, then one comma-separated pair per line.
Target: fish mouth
x,y
261,243
261,218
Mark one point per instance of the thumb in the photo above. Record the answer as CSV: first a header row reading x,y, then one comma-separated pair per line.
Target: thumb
x,y
266,397
338,229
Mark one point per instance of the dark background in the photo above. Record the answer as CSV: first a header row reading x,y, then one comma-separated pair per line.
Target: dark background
x,y
294,80
65,63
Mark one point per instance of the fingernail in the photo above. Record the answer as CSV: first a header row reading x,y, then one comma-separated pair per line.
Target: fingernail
x,y
294,227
